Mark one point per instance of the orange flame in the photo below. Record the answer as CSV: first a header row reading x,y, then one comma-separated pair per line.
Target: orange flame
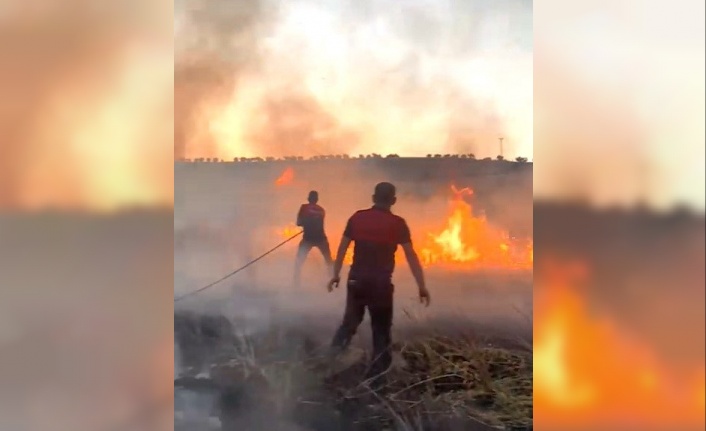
x,y
587,372
286,178
471,241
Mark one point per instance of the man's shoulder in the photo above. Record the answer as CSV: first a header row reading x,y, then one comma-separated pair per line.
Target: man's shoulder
x,y
361,212
400,221
369,211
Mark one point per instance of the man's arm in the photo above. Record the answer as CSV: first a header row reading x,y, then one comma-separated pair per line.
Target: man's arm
x,y
340,255
414,265
417,272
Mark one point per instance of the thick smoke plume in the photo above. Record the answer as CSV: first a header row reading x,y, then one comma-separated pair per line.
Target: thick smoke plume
x,y
311,77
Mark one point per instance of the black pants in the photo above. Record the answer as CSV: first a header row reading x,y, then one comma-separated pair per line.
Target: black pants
x,y
375,294
305,247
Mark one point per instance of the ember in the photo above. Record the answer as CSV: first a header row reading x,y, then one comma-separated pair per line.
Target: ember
x,y
286,178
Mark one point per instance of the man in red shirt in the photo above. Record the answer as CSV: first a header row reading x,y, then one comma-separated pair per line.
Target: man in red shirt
x,y
376,233
311,219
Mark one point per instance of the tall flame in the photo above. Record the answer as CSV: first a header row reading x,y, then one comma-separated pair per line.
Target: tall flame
x,y
471,241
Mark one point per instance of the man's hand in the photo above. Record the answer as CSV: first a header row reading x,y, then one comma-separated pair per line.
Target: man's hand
x,y
333,283
424,296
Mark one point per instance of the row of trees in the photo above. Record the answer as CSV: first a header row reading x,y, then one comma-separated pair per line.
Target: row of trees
x,y
340,157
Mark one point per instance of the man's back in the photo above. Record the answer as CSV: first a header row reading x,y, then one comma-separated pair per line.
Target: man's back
x,y
376,233
311,219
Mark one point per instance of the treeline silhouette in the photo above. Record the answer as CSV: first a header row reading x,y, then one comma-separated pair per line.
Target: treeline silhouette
x,y
469,156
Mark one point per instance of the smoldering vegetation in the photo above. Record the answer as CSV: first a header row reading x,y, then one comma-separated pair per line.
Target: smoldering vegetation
x,y
251,350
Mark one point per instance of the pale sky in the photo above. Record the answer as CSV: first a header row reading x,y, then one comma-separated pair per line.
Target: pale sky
x,y
642,63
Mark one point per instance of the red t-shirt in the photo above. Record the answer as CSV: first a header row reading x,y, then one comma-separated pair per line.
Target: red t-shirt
x,y
376,233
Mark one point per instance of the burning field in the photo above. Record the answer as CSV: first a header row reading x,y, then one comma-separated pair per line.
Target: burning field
x,y
463,241
254,345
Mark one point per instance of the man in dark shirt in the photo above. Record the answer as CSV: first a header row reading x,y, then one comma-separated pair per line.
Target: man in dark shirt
x,y
376,233
311,219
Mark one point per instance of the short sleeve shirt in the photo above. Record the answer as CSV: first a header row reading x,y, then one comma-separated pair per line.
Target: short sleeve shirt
x,y
376,233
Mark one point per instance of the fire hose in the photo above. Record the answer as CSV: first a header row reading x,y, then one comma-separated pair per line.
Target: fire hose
x,y
208,286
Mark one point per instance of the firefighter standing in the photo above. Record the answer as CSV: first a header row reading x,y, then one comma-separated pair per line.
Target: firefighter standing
x,y
311,219
376,233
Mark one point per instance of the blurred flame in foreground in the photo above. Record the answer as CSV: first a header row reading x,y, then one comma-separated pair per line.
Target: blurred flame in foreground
x,y
588,373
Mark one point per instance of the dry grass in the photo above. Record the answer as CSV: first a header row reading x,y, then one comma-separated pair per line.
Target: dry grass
x,y
282,376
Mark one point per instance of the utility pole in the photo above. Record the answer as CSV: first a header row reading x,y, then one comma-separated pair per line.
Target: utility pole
x,y
501,147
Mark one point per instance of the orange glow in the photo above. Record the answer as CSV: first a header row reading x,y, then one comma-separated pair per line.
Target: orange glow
x,y
102,150
286,178
289,231
587,372
472,242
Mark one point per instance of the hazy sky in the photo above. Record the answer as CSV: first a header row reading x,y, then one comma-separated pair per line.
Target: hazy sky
x,y
619,100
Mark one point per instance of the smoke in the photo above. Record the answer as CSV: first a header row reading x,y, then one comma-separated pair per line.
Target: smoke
x,y
86,90
312,77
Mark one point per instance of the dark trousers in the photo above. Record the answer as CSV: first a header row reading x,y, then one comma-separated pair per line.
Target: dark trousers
x,y
305,247
376,295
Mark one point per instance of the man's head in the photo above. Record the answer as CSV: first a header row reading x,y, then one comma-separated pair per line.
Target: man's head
x,y
313,197
384,195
